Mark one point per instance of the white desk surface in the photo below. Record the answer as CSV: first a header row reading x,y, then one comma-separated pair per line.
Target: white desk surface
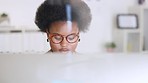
x,y
96,68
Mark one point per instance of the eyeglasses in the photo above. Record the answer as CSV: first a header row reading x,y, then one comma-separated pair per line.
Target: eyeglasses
x,y
58,38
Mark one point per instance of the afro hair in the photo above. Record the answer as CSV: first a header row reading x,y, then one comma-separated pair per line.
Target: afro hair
x,y
55,10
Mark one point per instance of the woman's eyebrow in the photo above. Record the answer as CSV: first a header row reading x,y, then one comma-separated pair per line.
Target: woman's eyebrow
x,y
54,33
64,35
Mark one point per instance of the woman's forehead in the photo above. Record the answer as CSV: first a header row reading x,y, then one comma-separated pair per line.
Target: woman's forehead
x,y
62,27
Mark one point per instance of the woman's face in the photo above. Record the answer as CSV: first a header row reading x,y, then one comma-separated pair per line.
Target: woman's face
x,y
63,38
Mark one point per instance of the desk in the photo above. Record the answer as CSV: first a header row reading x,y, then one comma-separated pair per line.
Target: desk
x,y
99,68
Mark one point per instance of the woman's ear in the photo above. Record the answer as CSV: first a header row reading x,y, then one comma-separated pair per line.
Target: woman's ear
x,y
47,35
47,30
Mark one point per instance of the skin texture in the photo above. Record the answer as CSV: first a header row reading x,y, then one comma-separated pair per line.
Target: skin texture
x,y
62,28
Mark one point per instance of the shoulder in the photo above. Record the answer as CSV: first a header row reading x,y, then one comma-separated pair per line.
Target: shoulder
x,y
50,51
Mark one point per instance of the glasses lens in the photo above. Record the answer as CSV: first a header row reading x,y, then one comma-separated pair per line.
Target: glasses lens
x,y
56,38
72,38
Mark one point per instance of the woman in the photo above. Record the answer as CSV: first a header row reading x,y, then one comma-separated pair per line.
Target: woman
x,y
63,20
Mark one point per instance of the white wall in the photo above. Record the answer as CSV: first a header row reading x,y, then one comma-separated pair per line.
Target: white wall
x,y
22,13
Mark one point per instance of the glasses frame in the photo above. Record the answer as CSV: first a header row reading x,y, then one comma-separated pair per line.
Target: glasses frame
x,y
63,36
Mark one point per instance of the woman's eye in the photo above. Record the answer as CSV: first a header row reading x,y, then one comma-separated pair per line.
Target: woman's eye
x,y
71,37
57,37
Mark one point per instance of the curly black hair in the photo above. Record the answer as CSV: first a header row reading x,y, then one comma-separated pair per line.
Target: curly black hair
x,y
54,10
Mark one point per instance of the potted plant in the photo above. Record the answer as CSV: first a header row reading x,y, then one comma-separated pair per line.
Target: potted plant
x,y
110,46
4,15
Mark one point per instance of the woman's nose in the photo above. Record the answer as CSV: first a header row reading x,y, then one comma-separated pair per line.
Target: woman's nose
x,y
64,43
